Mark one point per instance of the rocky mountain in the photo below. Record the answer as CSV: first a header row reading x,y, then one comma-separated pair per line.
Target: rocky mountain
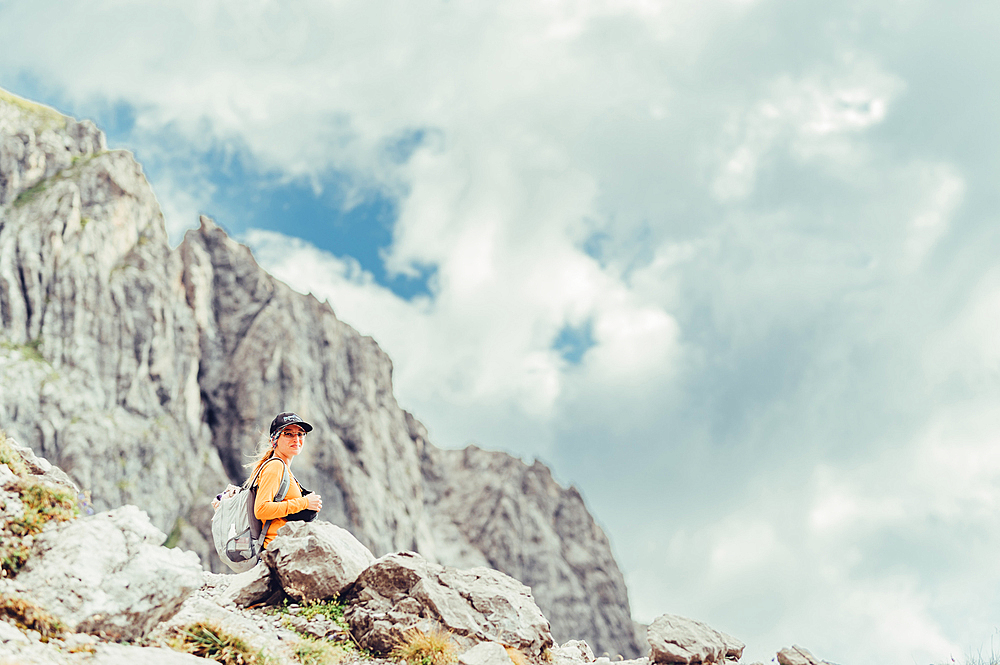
x,y
148,374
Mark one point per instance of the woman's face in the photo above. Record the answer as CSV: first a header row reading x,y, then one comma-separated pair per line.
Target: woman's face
x,y
290,442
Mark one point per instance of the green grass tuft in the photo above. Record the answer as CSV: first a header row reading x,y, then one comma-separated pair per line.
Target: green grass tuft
x,y
30,351
30,194
315,652
43,503
420,648
26,615
11,457
46,117
330,609
208,640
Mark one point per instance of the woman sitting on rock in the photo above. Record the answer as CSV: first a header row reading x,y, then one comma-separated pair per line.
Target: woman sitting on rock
x,y
288,434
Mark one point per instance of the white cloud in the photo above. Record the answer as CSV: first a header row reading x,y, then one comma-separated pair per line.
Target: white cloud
x,y
489,339
816,119
942,191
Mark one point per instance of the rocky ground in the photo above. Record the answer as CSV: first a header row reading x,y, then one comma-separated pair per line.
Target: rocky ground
x,y
102,589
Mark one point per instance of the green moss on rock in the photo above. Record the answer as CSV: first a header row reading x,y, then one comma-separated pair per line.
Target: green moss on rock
x,y
45,117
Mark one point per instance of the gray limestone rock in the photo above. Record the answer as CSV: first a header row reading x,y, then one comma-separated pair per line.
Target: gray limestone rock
x,y
528,526
41,470
9,633
108,575
103,654
36,142
485,653
99,354
676,639
574,652
316,560
403,591
124,654
249,587
796,655
604,660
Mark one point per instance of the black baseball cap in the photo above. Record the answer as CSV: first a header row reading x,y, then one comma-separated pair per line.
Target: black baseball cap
x,y
283,420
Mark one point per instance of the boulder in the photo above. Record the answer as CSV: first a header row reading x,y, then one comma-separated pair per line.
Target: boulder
x,y
108,575
501,513
98,654
796,655
574,652
9,633
316,560
604,660
41,469
249,587
485,653
122,654
675,639
403,591
734,647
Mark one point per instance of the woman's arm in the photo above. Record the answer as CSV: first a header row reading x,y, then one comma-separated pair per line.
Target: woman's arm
x,y
267,486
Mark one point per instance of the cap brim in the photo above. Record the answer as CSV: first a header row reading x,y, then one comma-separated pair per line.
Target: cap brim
x,y
303,424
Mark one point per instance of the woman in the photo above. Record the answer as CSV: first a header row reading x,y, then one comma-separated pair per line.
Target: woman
x,y
288,434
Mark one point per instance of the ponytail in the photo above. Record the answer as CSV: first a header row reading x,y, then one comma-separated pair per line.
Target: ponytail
x,y
263,452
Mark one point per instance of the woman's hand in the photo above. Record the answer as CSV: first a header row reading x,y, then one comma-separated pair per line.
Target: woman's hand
x,y
315,501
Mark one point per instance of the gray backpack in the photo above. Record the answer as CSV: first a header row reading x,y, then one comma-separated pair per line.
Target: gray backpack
x,y
238,534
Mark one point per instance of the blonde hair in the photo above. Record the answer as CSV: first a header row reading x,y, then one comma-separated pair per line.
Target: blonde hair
x,y
262,453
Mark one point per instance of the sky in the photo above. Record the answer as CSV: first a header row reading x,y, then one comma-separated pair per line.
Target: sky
x,y
727,266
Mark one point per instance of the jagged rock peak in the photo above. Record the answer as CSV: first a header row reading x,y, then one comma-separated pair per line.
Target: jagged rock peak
x,y
521,521
38,142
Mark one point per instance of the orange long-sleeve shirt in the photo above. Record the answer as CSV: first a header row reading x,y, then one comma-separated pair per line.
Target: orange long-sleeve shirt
x,y
266,509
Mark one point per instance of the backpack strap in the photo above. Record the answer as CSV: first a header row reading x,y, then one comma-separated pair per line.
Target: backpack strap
x,y
282,493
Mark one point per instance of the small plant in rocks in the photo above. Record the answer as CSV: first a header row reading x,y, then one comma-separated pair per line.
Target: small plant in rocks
x,y
40,504
329,609
317,652
207,640
426,648
26,615
11,457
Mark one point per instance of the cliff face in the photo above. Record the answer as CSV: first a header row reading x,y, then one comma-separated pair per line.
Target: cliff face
x,y
148,373
99,353
525,524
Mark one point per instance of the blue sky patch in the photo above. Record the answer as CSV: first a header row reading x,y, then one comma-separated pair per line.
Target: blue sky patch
x,y
574,341
333,217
